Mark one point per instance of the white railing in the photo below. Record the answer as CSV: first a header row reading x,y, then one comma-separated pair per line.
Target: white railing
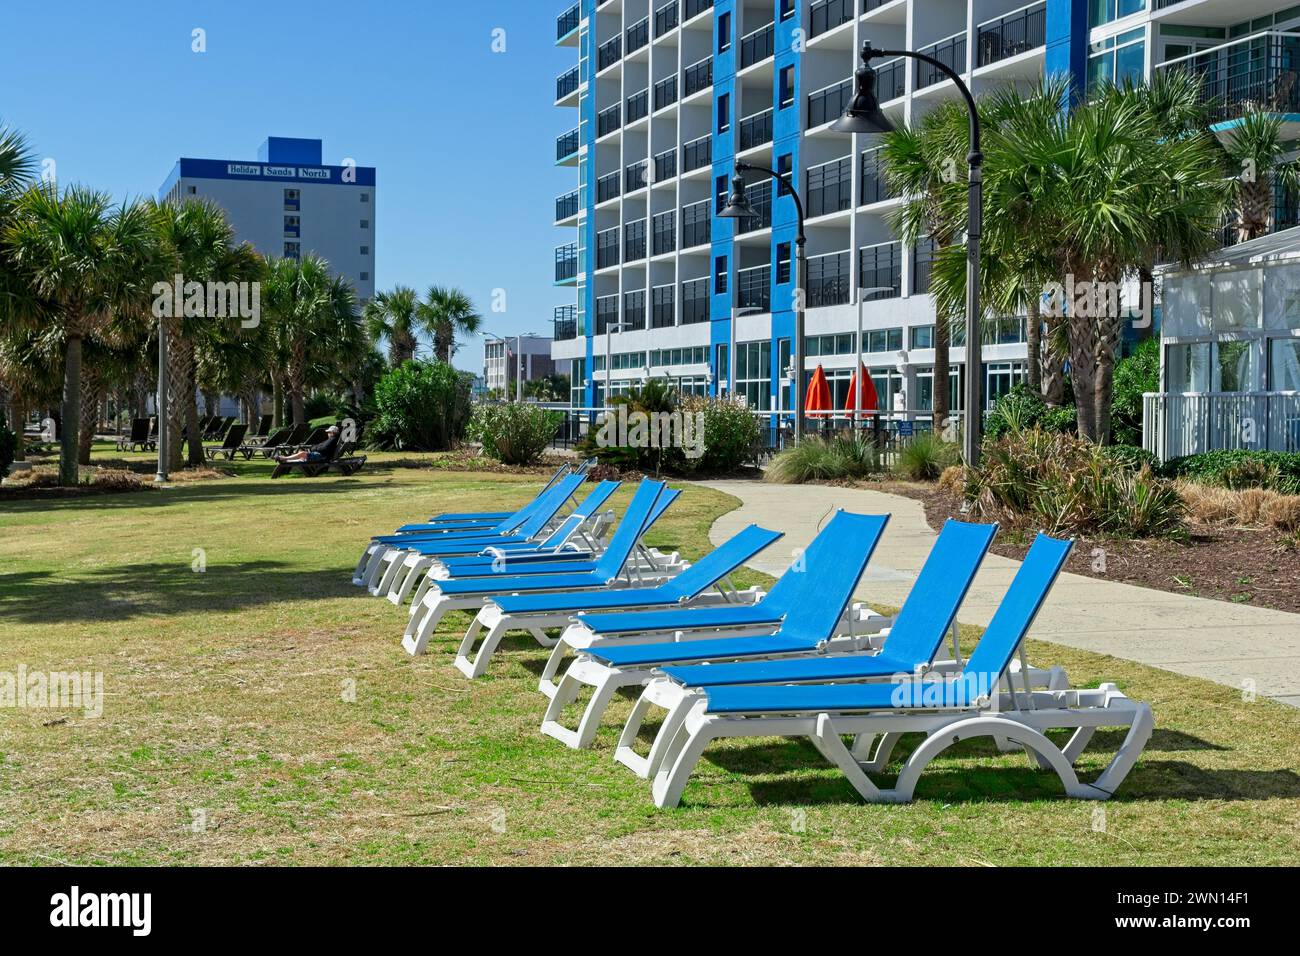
x,y
1175,424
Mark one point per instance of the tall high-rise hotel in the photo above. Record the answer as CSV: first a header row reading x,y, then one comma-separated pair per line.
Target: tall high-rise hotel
x,y
670,93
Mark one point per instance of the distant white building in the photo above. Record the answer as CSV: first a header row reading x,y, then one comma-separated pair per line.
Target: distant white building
x,y
514,359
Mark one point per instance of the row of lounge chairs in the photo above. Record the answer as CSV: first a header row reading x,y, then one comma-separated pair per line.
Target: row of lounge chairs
x,y
800,660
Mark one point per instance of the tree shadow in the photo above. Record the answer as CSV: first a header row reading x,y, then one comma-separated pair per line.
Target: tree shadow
x,y
209,491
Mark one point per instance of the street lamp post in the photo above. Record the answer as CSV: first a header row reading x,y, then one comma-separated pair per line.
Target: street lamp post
x,y
738,207
618,325
864,115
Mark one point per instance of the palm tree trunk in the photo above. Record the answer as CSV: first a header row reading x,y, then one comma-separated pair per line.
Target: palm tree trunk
x,y
1053,360
71,424
297,369
17,419
192,424
1083,359
1108,329
1034,344
179,384
277,401
939,404
90,392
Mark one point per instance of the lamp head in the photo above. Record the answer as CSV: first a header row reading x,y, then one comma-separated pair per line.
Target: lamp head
x,y
863,114
738,206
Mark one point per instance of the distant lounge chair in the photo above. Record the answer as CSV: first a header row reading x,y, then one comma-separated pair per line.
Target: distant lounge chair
x,y
263,429
344,462
251,447
290,444
230,446
137,438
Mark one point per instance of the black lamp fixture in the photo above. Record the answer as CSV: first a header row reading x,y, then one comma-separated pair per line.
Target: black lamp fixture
x,y
738,205
864,114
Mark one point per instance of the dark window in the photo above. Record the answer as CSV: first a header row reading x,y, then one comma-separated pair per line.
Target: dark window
x,y
787,86
782,263
787,9
724,32
784,166
724,112
721,199
720,275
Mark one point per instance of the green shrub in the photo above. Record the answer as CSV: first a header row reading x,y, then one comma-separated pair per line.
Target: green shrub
x,y
514,433
1240,468
421,406
1134,375
1066,485
1021,408
839,458
925,457
732,436
8,448
1131,456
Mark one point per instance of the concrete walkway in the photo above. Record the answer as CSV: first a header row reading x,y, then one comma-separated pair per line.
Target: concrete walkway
x,y
1216,640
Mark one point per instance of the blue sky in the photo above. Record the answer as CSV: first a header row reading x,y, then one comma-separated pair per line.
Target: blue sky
x,y
463,138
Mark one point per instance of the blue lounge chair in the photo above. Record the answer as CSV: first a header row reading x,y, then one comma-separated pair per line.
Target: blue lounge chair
x,y
537,612
947,710
492,517
818,588
443,596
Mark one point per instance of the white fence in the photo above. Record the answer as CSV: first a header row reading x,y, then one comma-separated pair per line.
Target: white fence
x,y
1188,423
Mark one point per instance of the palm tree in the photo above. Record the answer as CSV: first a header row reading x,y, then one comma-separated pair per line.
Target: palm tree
x,y
394,317
82,260
1254,149
17,165
445,313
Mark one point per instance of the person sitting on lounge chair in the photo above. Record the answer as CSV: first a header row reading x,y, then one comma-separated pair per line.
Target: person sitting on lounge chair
x,y
321,452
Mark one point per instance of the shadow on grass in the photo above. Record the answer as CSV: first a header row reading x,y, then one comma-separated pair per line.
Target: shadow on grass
x,y
136,590
210,491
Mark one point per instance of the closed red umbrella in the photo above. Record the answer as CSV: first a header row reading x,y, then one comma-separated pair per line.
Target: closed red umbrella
x,y
870,400
818,400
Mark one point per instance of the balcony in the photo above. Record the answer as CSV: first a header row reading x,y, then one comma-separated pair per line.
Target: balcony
x,y
754,289
869,5
760,198
826,15
664,233
665,165
1018,32
874,188
608,120
638,35
757,46
634,176
634,310
880,267
1258,71
609,53
951,52
830,187
566,262
565,323
607,248
662,313
607,188
567,206
891,79
665,93
567,84
697,154
695,301
666,18
828,279
568,21
638,106
696,225
567,145
755,130
695,7
698,76
634,245
828,104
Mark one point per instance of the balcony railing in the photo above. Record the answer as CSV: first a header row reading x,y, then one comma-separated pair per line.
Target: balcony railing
x,y
634,310
609,119
826,15
568,144
664,233
696,7
1257,71
695,301
697,76
606,313
757,46
755,130
662,312
568,21
869,5
754,289
665,165
881,267
638,106
565,323
828,104
666,18
610,52
666,92
891,79
634,176
567,206
760,199
697,153
830,187
696,225
1017,32
1191,423
567,84
828,279
607,248
607,187
634,240
566,262
950,52
874,187
638,35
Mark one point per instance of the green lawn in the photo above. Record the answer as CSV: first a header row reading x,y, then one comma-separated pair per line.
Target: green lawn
x,y
226,704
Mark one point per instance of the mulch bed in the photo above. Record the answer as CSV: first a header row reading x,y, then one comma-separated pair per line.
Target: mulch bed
x,y
1242,565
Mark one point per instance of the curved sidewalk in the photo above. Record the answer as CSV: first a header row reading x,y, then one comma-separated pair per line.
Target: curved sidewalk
x,y
1227,643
